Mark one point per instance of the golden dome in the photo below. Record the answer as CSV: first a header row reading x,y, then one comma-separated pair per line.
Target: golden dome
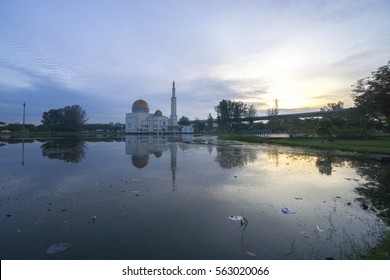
x,y
140,161
158,113
140,105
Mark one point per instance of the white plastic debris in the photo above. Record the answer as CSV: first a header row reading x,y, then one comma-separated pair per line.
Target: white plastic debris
x,y
319,229
236,218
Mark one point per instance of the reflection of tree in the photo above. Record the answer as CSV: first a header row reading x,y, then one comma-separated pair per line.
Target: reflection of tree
x,y
273,154
230,156
376,191
69,150
324,164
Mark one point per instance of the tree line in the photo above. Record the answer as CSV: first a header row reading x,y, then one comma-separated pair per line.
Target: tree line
x,y
68,119
371,113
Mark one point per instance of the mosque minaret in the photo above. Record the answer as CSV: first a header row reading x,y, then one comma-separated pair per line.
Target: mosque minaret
x,y
173,117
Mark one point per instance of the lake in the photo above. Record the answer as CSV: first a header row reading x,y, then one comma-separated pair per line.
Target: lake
x,y
149,197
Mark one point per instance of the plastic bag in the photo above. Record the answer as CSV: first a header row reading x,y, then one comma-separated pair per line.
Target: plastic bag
x,y
287,211
57,248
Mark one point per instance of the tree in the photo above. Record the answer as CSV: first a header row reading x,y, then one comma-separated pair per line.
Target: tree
x,y
333,106
372,94
184,121
228,110
251,111
272,112
71,118
274,123
224,113
210,122
324,128
198,126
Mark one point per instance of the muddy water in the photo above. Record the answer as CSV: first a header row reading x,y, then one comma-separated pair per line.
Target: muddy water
x,y
146,197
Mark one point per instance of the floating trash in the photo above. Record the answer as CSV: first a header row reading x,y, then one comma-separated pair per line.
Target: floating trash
x,y
39,222
241,219
287,211
298,198
93,219
250,254
378,235
236,218
57,248
319,229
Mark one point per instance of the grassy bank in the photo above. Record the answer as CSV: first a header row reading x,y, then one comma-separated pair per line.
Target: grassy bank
x,y
381,251
372,146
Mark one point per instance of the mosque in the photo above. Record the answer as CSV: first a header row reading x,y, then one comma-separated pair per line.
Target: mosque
x,y
140,121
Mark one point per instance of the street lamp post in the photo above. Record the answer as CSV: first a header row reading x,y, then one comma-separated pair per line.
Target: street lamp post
x,y
24,115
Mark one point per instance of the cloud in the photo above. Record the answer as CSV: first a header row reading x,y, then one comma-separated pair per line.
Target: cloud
x,y
12,79
105,56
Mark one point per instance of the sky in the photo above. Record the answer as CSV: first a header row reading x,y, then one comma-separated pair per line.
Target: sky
x,y
104,55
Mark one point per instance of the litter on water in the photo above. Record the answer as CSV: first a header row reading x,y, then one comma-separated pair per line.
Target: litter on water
x,y
288,211
243,221
318,228
250,254
236,218
57,248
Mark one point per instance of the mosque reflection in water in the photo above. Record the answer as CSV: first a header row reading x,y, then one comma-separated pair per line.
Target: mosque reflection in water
x,y
145,148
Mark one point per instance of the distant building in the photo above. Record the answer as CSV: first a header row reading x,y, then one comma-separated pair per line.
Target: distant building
x,y
141,121
187,129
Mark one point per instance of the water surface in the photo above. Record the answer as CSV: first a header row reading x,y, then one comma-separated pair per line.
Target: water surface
x,y
148,197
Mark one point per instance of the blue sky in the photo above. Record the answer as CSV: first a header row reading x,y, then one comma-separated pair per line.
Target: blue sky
x,y
103,55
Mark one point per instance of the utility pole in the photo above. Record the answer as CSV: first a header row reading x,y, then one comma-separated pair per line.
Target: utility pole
x,y
24,119
24,115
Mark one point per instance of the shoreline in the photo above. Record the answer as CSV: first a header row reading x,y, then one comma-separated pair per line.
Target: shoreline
x,y
379,145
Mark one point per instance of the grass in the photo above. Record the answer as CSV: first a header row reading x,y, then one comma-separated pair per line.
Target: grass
x,y
381,251
243,138
373,146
